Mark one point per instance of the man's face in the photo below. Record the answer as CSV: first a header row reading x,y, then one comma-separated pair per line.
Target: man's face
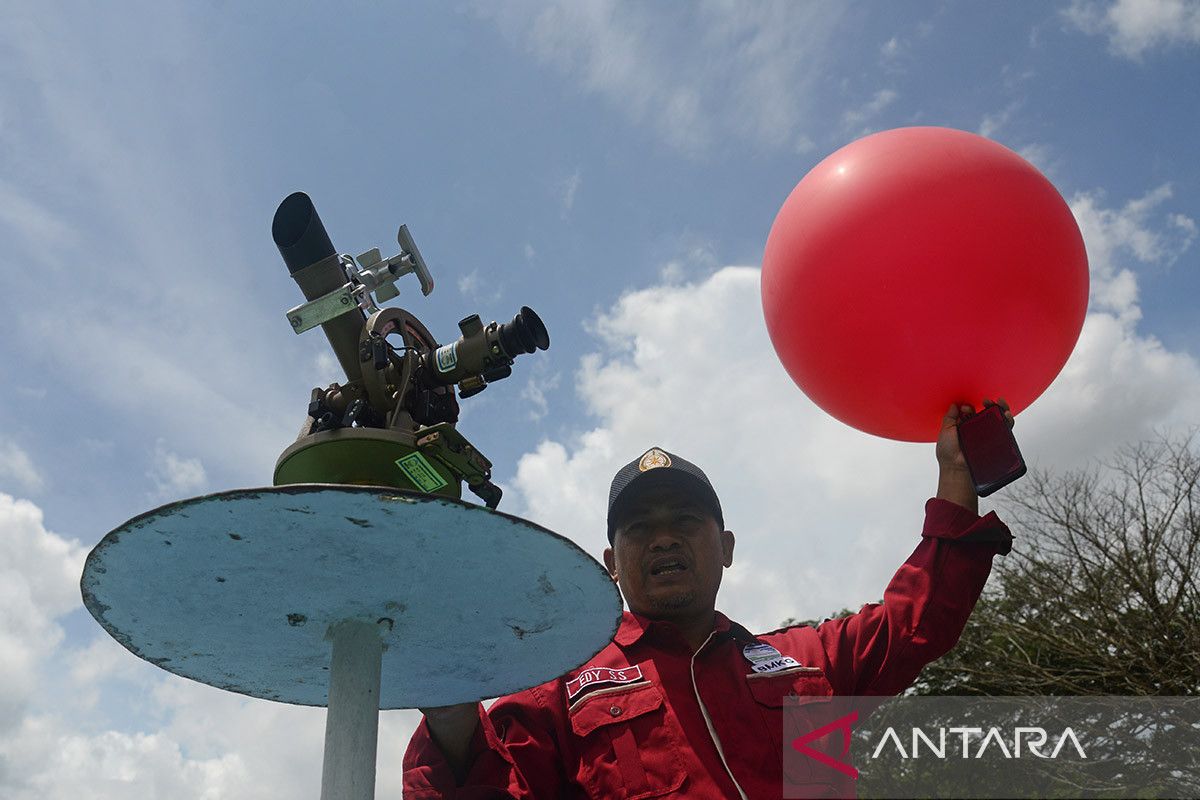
x,y
668,552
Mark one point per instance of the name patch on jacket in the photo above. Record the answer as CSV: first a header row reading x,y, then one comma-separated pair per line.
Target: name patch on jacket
x,y
593,677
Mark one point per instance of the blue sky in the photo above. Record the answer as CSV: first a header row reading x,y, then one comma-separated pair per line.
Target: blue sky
x,y
615,166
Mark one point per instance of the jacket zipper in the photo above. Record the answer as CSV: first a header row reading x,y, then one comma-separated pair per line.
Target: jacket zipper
x,y
708,721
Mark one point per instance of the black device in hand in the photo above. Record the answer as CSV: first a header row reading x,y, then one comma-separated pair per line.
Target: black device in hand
x,y
990,449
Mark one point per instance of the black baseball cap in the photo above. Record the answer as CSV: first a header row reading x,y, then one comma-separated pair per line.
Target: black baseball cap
x,y
664,466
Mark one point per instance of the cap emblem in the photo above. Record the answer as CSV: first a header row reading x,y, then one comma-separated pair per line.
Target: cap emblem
x,y
653,459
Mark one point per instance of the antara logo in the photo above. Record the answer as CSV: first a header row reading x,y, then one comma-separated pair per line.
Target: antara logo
x,y
800,744
1034,740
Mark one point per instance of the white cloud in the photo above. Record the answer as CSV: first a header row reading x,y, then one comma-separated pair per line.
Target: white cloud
x,y
540,381
114,766
468,284
98,445
1115,237
90,667
134,248
855,117
995,122
203,743
1134,27
998,125
279,744
44,752
672,273
18,467
175,476
725,69
1119,384
803,144
692,256
792,480
34,223
56,735
325,365
569,189
824,514
211,745
795,481
480,289
1041,156
39,582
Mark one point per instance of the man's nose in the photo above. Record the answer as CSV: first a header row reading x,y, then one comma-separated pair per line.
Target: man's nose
x,y
664,537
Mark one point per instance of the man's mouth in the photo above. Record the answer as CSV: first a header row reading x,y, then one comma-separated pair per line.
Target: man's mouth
x,y
667,566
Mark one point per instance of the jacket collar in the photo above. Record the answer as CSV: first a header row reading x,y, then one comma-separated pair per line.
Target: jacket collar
x,y
634,626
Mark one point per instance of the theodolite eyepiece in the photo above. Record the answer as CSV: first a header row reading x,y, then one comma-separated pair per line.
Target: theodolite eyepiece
x,y
484,353
524,334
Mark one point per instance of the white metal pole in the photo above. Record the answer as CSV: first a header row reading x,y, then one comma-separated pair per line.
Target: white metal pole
x,y
352,718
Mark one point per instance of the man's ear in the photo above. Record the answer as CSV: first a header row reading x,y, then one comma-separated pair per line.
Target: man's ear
x,y
610,563
727,543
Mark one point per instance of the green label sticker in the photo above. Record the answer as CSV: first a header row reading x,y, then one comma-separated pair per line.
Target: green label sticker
x,y
418,470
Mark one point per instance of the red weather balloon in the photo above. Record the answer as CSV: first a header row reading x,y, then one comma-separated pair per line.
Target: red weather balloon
x,y
918,267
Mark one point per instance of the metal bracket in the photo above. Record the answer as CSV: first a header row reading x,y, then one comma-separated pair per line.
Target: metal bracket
x,y
445,444
367,275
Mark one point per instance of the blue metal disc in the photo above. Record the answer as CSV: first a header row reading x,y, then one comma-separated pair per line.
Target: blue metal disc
x,y
238,590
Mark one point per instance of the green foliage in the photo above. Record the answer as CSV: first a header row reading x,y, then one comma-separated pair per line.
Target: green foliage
x,y
1101,594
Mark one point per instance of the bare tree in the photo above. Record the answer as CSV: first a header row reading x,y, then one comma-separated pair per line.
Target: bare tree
x,y
1099,596
1101,593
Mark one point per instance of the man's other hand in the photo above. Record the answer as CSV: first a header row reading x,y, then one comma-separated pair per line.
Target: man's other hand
x,y
452,728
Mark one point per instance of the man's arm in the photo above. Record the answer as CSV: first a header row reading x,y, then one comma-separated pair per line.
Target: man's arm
x,y
881,649
465,752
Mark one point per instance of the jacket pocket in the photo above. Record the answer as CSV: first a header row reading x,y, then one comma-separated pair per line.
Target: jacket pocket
x,y
810,691
806,684
626,743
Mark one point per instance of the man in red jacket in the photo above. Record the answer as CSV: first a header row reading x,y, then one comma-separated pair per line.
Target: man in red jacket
x,y
684,702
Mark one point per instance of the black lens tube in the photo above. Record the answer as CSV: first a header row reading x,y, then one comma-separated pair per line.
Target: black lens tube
x,y
525,334
299,233
306,249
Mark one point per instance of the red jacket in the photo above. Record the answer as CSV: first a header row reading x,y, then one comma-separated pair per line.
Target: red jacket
x,y
646,717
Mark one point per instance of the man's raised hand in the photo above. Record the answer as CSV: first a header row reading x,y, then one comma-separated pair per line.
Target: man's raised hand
x,y
954,479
